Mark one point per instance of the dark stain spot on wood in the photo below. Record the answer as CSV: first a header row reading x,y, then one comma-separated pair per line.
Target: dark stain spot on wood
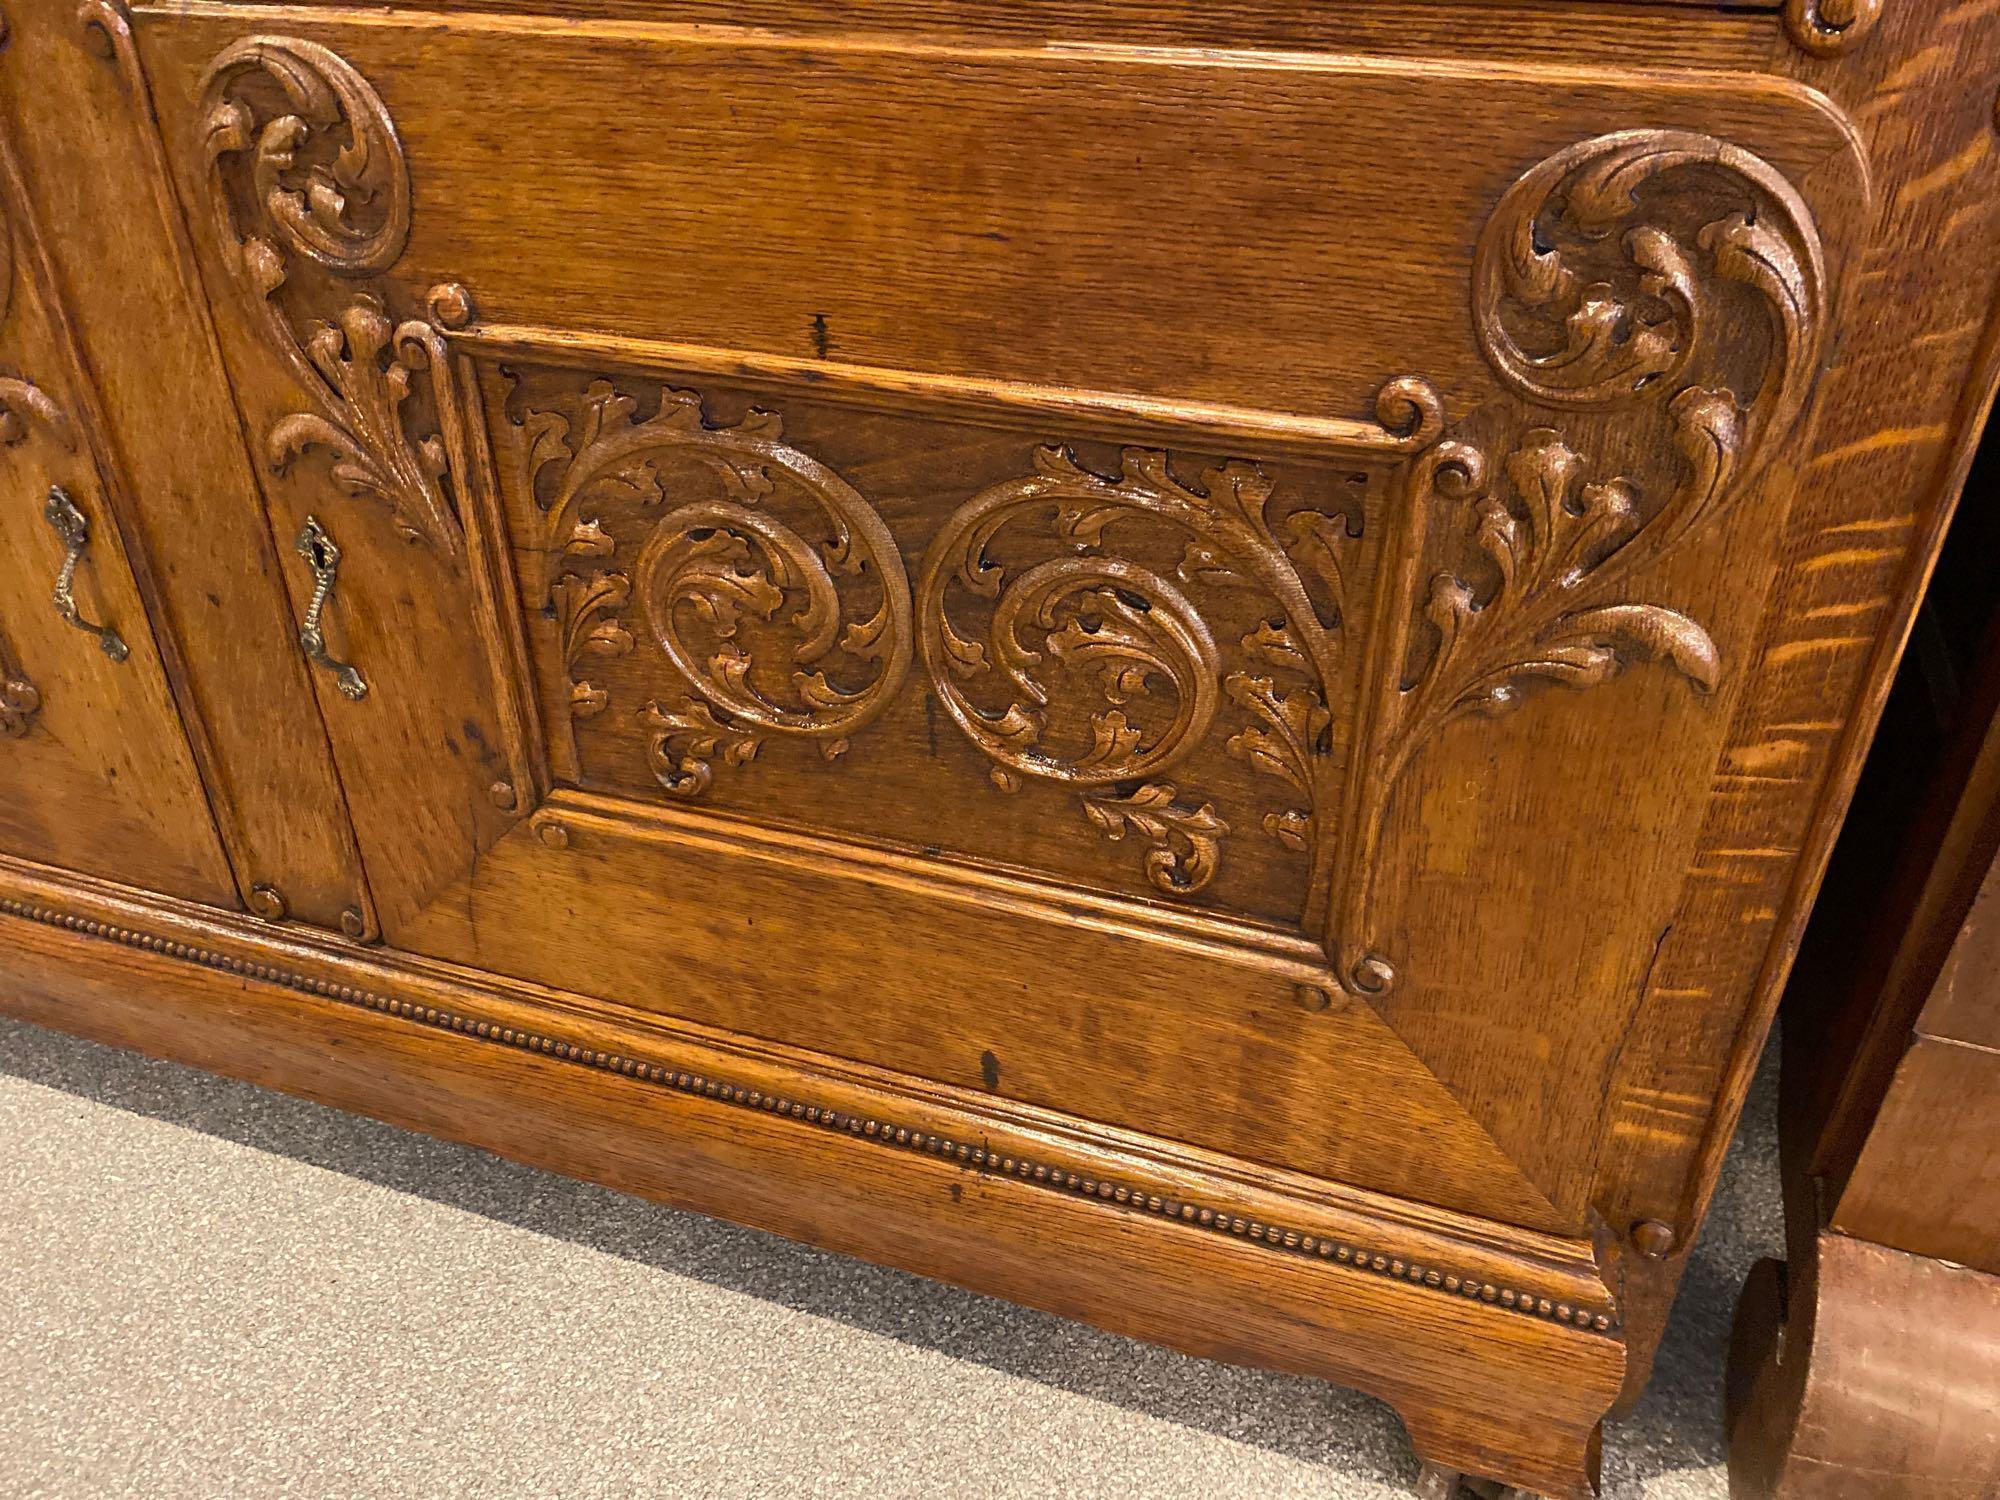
x,y
989,1069
957,1192
822,340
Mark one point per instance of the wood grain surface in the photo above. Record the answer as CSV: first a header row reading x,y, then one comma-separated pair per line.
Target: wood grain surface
x,y
1284,599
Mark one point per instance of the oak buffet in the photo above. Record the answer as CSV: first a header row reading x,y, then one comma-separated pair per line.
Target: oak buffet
x,y
1189,664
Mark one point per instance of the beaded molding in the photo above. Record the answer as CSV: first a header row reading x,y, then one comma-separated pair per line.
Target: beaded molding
x,y
863,1127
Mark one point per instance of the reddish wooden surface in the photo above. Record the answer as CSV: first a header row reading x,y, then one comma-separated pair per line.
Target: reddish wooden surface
x,y
1868,1365
1863,1373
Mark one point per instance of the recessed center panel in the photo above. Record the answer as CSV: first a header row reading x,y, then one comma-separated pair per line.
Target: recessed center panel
x,y
1115,665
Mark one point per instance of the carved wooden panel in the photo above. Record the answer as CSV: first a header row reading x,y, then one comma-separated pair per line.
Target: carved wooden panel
x,y
999,646
1193,664
357,423
1070,588
1653,276
1660,294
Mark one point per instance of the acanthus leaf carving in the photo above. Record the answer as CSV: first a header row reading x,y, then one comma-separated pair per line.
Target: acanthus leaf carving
x,y
1615,276
1550,545
1150,651
300,145
706,568
1186,842
685,741
1288,748
587,611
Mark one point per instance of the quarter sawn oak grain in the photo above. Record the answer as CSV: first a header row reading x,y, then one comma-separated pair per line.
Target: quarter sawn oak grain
x,y
1192,669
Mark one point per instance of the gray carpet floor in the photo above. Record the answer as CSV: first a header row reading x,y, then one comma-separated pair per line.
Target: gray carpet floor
x,y
216,1292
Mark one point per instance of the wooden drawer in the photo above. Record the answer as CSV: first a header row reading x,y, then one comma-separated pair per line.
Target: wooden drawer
x,y
1253,621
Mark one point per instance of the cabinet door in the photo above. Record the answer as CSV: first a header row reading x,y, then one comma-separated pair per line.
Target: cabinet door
x,y
184,484
95,770
1205,591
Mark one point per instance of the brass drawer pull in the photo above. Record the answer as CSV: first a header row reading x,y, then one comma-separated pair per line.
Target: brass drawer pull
x,y
74,528
322,555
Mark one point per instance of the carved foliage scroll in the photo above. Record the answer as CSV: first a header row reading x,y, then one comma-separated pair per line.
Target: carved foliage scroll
x,y
307,180
1162,680
1160,675
1668,278
712,555
1651,301
779,603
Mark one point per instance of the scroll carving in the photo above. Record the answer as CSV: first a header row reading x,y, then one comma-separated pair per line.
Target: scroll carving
x,y
305,170
1651,301
711,567
1667,278
1160,676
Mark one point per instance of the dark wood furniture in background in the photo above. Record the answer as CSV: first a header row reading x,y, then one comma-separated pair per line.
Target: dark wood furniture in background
x,y
1867,1366
1190,664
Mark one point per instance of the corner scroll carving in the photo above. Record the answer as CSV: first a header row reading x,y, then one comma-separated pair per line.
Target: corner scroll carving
x,y
1663,276
305,170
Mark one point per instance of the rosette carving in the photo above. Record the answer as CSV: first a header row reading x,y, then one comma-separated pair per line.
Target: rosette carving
x,y
1668,278
305,170
711,566
1100,617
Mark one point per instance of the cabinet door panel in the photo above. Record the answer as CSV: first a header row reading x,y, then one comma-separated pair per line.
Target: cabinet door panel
x,y
95,771
185,486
